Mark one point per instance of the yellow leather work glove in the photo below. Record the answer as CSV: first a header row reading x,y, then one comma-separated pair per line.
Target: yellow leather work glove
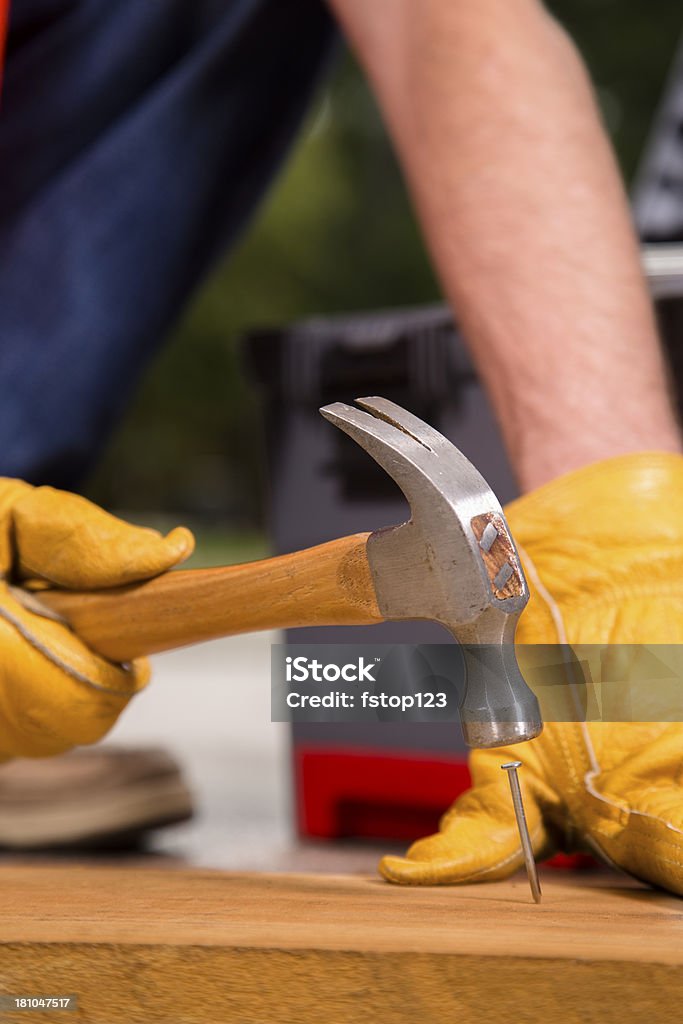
x,y
54,692
603,554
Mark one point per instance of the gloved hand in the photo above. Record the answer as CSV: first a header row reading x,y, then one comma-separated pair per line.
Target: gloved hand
x,y
54,692
602,550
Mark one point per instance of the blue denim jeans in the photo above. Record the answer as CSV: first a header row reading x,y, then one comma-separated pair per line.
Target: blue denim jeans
x,y
136,137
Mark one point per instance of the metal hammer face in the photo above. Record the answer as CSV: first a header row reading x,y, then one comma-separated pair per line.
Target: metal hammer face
x,y
453,562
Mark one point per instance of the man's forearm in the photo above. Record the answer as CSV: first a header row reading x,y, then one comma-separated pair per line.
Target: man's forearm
x,y
526,219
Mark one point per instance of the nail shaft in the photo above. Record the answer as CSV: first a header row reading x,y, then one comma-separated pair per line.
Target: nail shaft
x,y
531,869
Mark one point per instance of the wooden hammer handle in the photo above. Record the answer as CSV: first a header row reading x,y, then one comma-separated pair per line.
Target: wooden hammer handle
x,y
327,585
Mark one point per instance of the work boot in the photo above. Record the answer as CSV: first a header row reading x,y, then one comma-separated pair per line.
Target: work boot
x,y
94,797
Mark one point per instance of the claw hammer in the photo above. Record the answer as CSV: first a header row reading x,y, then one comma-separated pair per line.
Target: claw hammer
x,y
453,562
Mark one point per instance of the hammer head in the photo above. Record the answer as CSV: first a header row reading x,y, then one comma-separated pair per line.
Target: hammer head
x,y
453,562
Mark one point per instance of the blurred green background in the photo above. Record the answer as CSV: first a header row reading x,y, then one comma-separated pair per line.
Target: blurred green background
x,y
335,233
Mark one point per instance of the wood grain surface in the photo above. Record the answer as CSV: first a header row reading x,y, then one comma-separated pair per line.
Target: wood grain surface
x,y
184,946
328,585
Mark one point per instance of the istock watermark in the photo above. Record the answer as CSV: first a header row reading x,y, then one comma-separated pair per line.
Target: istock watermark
x,y
367,683
426,682
302,669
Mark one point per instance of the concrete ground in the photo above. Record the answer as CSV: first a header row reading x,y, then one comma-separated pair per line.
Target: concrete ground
x,y
210,706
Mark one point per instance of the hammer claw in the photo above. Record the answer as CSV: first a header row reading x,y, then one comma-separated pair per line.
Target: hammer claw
x,y
415,455
405,421
394,448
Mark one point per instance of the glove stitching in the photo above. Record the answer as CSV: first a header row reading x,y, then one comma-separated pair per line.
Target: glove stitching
x,y
32,603
645,876
558,620
545,594
499,864
602,813
492,867
629,811
519,853
662,840
51,656
652,854
601,798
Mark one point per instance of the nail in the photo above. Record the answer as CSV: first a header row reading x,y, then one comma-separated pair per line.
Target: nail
x,y
531,869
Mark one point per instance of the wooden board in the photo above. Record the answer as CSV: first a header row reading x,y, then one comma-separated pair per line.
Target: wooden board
x,y
184,946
